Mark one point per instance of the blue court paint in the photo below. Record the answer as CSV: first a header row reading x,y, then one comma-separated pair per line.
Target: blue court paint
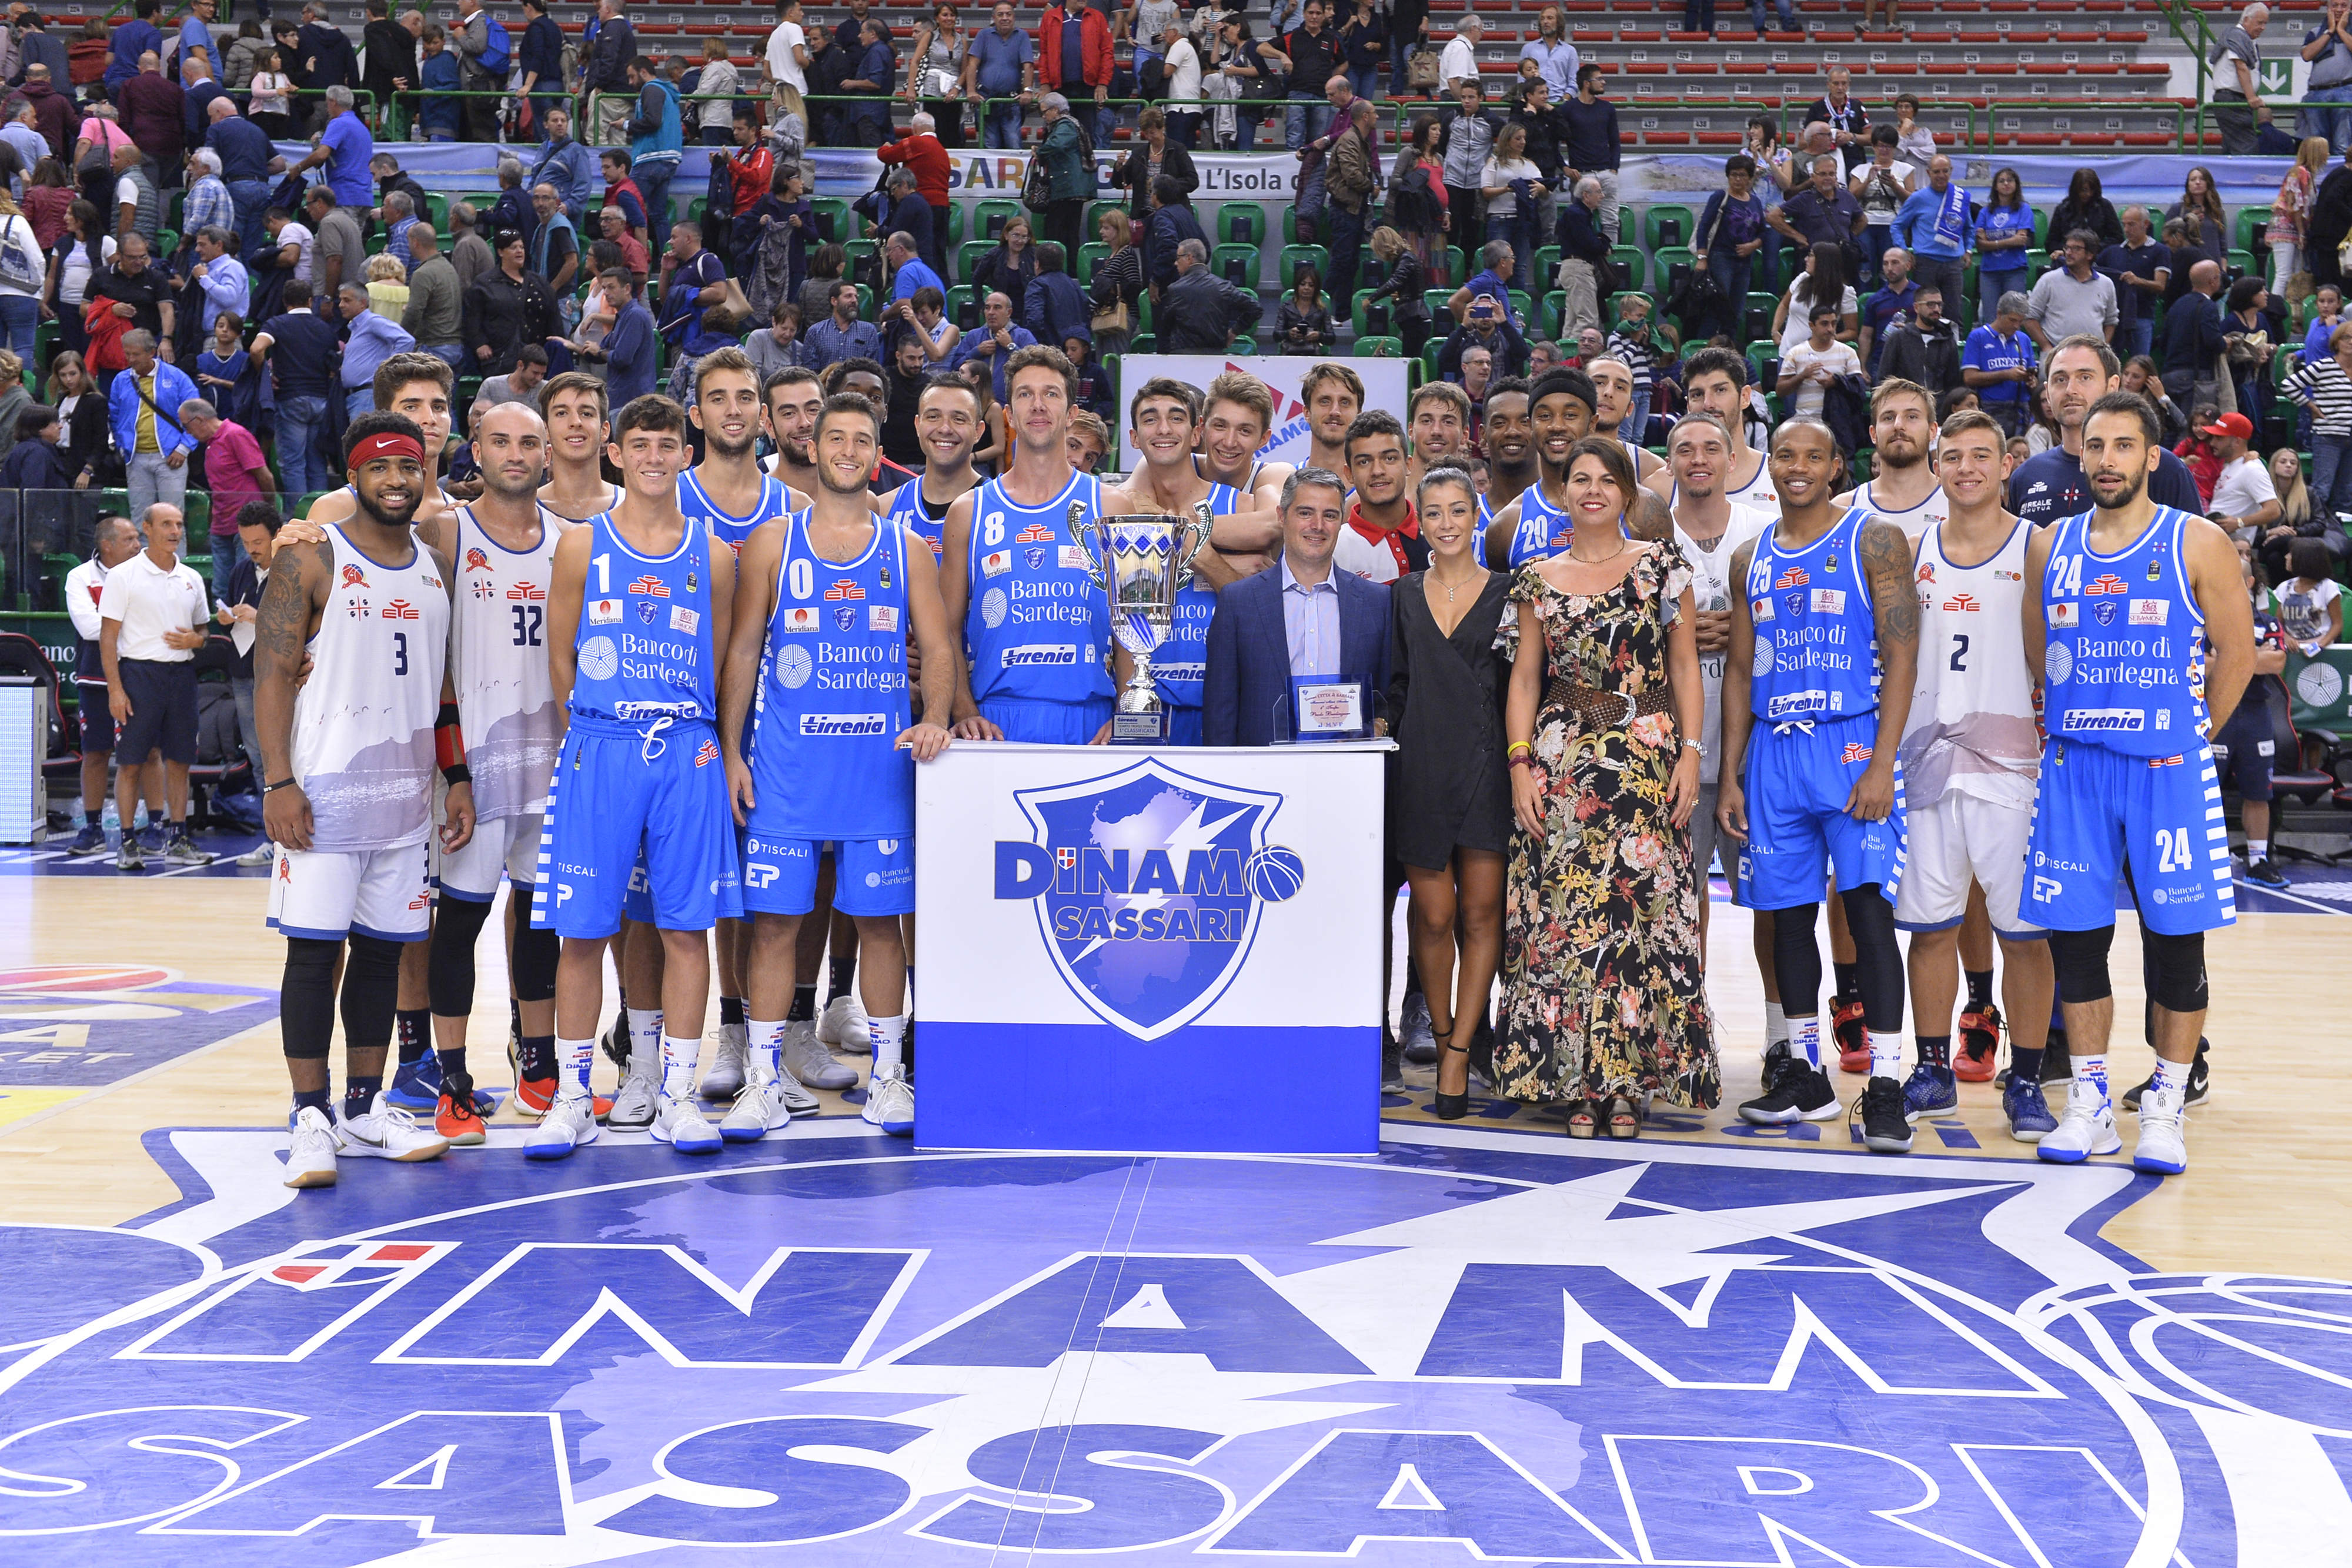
x,y
88,1025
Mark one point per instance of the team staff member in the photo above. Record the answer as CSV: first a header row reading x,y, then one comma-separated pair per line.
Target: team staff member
x,y
116,541
153,623
825,766
1381,540
2051,484
348,749
2117,598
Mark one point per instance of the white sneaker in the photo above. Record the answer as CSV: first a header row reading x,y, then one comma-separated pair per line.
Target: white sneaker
x,y
262,853
729,1066
2087,1128
797,1099
385,1132
569,1123
760,1110
681,1123
806,1059
844,1027
891,1102
310,1156
634,1104
2163,1133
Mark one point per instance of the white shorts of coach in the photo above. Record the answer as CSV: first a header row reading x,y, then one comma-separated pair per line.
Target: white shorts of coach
x,y
1959,839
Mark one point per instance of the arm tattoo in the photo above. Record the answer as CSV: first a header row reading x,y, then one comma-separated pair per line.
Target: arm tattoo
x,y
1740,560
1651,518
1886,557
282,625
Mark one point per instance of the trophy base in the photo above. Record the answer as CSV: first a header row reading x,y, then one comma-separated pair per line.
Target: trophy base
x,y
1146,729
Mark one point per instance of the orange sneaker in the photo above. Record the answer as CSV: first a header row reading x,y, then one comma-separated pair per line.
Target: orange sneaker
x,y
532,1096
1980,1045
459,1117
1852,1039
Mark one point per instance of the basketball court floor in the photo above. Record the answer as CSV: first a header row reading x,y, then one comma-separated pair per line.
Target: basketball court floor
x,y
1486,1344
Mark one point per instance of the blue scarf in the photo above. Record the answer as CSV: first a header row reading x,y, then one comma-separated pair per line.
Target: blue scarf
x,y
1952,222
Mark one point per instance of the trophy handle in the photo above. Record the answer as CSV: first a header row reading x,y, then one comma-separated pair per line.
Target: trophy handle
x,y
1195,540
1076,526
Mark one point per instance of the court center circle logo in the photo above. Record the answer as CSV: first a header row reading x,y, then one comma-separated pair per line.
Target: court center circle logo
x,y
599,659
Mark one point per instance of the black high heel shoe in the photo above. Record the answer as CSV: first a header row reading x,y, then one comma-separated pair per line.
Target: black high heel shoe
x,y
1451,1107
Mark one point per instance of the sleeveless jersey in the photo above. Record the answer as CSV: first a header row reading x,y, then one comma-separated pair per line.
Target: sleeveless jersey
x,y
725,527
2125,665
1759,492
611,501
1038,627
497,645
1971,728
1711,590
644,630
363,721
1180,664
907,511
833,697
1544,529
1485,521
1915,521
1816,629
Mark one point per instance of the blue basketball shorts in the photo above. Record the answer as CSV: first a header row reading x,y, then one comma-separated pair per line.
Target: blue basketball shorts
x,y
609,802
2101,813
871,877
1047,723
1797,782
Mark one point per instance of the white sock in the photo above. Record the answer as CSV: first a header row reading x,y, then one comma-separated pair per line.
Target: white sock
x,y
2257,849
2170,1076
679,1059
1775,1025
574,1059
644,1034
1805,1039
2092,1071
1885,1054
886,1036
767,1047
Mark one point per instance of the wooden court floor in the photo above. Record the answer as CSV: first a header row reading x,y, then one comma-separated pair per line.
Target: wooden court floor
x,y
2269,1185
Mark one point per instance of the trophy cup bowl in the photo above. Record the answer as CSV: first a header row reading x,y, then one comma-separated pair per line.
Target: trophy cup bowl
x,y
1143,562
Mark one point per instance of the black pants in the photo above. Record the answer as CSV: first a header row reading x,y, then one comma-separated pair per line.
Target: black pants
x,y
1064,226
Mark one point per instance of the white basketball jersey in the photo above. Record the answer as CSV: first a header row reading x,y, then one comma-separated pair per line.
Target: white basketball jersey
x,y
363,721
1972,726
1759,492
506,703
1711,590
1913,521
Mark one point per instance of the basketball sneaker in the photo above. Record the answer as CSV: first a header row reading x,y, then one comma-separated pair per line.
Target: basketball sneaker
x,y
2029,1114
2200,1081
310,1155
1979,1044
129,856
891,1102
569,1123
385,1132
461,1112
759,1110
181,850
537,1096
844,1026
1853,1037
2087,1128
616,1042
806,1059
2163,1146
635,1104
417,1085
681,1123
90,841
1793,1092
1886,1130
2264,873
263,853
1929,1091
1420,1039
729,1063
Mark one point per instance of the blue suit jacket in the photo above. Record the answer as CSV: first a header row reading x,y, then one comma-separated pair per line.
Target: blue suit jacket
x,y
1245,699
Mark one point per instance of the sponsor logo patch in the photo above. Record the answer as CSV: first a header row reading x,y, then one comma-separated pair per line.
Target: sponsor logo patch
x,y
2108,583
2065,617
996,563
844,724
800,618
1829,600
652,587
882,618
2149,612
681,619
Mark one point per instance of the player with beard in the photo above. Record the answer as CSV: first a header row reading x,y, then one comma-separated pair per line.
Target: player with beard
x,y
1161,420
1904,490
947,422
1508,436
1239,415
1969,766
2051,484
1438,419
1334,396
574,407
348,755
2124,684
835,587
1714,381
1536,525
865,378
639,605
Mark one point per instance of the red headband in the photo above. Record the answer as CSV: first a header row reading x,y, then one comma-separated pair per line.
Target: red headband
x,y
385,444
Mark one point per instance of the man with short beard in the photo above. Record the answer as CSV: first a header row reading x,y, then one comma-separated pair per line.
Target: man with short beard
x,y
573,404
1334,396
1437,422
948,424
1613,392
1714,381
2050,485
348,752
1905,491
794,398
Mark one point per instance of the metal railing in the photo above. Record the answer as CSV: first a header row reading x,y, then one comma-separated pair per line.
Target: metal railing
x,y
2185,19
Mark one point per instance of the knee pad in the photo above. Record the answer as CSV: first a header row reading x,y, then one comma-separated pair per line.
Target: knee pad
x,y
2081,960
305,997
533,963
2179,972
1797,959
449,958
371,991
1878,956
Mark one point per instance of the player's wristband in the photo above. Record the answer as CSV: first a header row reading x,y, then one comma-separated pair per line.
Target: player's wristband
x,y
449,746
281,784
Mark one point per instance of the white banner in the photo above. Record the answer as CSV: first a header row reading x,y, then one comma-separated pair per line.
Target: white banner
x,y
1289,441
1103,922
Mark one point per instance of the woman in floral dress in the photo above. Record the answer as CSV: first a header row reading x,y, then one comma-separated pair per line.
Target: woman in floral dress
x,y
1603,1004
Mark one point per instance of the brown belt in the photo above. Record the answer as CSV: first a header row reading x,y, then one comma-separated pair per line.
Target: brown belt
x,y
1606,710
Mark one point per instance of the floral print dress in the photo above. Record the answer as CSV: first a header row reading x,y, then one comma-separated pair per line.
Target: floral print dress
x,y
1603,990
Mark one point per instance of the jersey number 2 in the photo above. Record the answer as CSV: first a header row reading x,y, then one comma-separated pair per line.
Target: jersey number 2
x,y
1961,652
2171,850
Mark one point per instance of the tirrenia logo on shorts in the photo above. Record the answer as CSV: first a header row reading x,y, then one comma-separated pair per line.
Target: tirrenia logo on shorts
x,y
2110,720
1147,884
835,726
1051,654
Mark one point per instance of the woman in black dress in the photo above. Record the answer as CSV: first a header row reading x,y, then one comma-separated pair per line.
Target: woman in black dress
x,y
1450,812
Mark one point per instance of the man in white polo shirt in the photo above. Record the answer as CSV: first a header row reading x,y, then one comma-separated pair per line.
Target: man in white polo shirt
x,y
2243,496
154,613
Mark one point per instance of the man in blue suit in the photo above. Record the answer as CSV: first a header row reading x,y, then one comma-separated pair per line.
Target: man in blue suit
x,y
1300,619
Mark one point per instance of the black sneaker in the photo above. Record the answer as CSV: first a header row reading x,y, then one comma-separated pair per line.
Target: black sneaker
x,y
2057,1063
616,1042
1800,1093
2263,873
2201,1087
1886,1130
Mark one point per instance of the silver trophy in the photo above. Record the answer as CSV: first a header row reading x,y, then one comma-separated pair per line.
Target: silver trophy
x,y
1143,562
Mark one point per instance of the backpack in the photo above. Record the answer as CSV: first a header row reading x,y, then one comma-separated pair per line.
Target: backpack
x,y
1413,206
498,53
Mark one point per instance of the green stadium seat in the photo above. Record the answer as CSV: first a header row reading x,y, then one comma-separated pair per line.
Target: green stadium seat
x,y
1088,255
1634,263
989,218
1379,348
1242,346
1364,305
834,225
1436,299
1547,272
1295,256
1667,227
1241,223
1237,263
969,255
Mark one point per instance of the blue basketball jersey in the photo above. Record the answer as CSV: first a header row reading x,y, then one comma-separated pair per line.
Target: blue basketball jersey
x,y
1038,627
1544,529
2125,667
833,695
643,649
906,511
1478,539
725,527
1816,628
1180,664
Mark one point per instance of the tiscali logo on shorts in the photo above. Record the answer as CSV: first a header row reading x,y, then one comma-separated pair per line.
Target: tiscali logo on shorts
x,y
991,608
599,659
1048,655
838,726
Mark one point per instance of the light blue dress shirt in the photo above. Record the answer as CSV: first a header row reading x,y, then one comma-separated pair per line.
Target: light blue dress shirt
x,y
375,339
1310,623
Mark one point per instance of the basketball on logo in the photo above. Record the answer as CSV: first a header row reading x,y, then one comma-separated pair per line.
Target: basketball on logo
x,y
1274,873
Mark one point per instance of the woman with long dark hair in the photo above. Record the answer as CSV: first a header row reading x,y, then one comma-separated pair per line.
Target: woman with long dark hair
x,y
2004,233
74,261
2201,212
1822,282
2085,207
1303,324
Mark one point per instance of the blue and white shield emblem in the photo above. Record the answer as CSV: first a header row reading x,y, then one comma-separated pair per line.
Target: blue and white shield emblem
x,y
845,617
647,610
1149,911
1036,556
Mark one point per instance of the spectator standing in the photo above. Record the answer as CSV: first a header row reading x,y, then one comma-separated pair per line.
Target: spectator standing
x,y
1181,72
875,73
2071,299
1731,230
1458,62
36,461
1057,310
842,336
337,249
923,151
1934,227
255,525
346,150
1511,185
2200,205
657,143
54,113
1354,174
2237,60
39,47
1555,57
1822,212
2324,386
1000,71
520,385
1408,35
244,151
555,249
785,63
1011,267
935,74
238,473
2243,500
1115,292
1155,152
1584,255
141,406
155,112
1364,26
1892,298
131,40
506,308
218,276
2291,211
1998,364
2004,233
370,341
328,56
138,204
440,114
1314,51
1882,186
153,617
631,348
2192,337
1839,109
2328,48
609,48
538,58
1470,132
434,315
477,54
1401,283
1074,56
1173,221
564,163
2140,268
1807,370
1200,312
390,58
693,280
1069,170
469,253
2087,207
1590,141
